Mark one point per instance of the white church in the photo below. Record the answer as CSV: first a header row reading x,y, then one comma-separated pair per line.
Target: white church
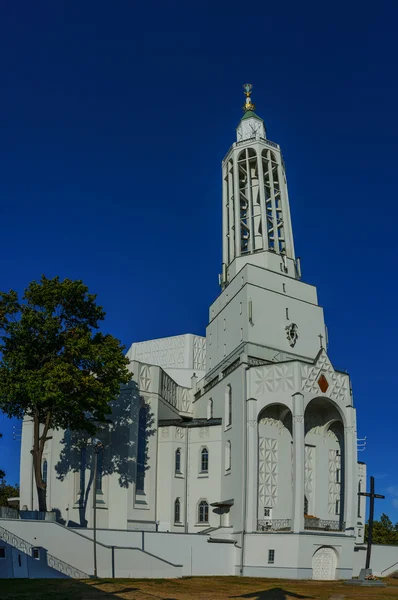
x,y
246,437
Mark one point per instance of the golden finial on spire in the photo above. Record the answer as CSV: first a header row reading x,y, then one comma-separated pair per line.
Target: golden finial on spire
x,y
248,90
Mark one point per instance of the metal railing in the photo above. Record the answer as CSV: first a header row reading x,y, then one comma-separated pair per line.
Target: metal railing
x,y
272,525
323,525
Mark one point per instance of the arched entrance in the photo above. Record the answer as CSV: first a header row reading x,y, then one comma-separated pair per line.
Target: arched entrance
x,y
274,468
324,563
324,466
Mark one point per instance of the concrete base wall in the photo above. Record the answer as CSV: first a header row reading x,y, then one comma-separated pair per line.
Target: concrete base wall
x,y
69,552
196,555
66,553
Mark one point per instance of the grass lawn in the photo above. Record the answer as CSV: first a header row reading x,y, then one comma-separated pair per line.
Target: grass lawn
x,y
202,588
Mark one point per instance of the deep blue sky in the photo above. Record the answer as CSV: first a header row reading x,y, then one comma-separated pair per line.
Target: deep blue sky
x,y
114,119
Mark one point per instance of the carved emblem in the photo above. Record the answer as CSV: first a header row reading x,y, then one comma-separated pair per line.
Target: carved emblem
x,y
292,333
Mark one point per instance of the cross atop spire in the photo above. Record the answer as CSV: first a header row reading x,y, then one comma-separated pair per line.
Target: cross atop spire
x,y
248,90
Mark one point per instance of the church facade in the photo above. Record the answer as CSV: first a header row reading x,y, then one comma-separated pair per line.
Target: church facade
x,y
248,435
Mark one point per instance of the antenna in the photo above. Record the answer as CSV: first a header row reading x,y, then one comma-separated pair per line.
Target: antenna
x,y
361,444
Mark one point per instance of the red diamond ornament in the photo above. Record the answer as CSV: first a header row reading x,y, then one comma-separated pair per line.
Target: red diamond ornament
x,y
323,383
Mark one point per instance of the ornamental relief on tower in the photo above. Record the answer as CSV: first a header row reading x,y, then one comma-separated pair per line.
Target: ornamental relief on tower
x,y
273,378
321,379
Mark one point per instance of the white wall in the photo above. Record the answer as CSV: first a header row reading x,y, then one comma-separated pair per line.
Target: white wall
x,y
71,552
384,560
194,552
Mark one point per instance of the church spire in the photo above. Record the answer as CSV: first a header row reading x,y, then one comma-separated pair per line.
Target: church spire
x,y
256,214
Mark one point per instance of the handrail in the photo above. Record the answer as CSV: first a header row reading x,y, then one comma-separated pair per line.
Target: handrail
x,y
396,563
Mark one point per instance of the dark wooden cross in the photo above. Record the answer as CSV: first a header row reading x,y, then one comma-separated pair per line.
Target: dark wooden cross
x,y
372,497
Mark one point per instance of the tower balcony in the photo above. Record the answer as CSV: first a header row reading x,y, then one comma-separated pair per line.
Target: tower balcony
x,y
310,524
274,525
315,524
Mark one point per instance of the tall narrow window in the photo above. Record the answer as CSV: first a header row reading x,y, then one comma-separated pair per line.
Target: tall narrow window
x,y
271,557
141,450
83,465
228,456
203,512
177,511
100,468
359,500
210,409
178,461
305,505
204,460
228,406
337,507
44,476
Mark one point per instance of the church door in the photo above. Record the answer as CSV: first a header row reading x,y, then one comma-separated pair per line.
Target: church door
x,y
324,563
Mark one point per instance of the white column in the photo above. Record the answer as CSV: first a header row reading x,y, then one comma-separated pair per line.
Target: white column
x,y
231,202
252,465
298,463
287,222
249,197
225,194
262,197
350,478
237,205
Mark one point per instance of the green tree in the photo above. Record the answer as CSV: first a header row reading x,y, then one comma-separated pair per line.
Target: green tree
x,y
7,491
384,532
57,368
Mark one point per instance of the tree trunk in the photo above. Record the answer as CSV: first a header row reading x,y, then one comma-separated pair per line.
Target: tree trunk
x,y
37,455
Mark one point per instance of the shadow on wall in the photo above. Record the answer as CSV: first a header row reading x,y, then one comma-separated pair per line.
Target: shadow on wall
x,y
272,594
125,448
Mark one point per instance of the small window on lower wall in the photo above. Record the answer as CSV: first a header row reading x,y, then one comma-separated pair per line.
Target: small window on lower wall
x,y
271,557
36,553
2,552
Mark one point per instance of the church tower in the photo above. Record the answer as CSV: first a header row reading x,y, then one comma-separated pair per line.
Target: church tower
x,y
256,216
263,301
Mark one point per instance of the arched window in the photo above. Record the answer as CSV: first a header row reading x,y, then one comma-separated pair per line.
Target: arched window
x,y
210,409
141,449
178,461
177,511
203,512
204,460
228,406
100,467
44,476
228,456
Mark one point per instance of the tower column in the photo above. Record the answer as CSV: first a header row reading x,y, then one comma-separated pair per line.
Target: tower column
x,y
298,463
350,477
262,199
225,253
252,465
236,207
287,222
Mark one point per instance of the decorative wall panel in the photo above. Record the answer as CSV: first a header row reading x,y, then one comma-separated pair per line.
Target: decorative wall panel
x,y
268,472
